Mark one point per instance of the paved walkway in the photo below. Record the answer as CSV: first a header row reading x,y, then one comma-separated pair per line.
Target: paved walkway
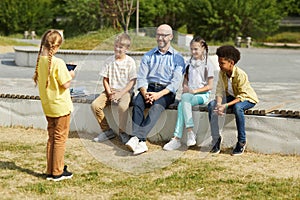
x,y
274,74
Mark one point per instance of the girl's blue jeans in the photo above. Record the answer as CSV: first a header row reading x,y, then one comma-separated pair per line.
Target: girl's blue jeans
x,y
238,110
184,110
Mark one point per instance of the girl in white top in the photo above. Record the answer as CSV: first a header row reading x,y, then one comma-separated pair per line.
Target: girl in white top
x,y
197,84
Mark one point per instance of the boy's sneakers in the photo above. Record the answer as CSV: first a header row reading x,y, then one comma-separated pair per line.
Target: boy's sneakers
x,y
49,177
106,135
239,149
65,175
124,137
191,139
217,146
140,148
172,145
132,143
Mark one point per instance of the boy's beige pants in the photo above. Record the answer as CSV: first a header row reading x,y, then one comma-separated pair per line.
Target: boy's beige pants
x,y
119,111
58,131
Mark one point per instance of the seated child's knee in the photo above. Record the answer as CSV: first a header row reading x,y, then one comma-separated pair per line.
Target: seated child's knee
x,y
211,105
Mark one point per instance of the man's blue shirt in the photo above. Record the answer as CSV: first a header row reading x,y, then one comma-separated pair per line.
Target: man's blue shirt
x,y
166,69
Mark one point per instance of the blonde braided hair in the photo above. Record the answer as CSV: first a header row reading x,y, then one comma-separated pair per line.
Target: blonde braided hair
x,y
51,40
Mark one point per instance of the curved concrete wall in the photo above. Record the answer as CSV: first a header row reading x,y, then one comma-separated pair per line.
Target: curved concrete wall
x,y
26,56
264,134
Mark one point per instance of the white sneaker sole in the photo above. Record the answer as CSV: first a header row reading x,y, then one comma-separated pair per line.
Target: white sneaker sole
x,y
62,178
139,152
171,149
191,144
130,147
239,154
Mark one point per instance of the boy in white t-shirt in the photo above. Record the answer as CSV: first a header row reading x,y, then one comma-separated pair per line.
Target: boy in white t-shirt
x,y
119,77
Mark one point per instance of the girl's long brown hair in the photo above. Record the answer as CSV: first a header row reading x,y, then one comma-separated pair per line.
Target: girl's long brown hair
x,y
50,40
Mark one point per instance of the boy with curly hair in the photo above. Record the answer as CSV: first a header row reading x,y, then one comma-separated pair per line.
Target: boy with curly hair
x,y
233,91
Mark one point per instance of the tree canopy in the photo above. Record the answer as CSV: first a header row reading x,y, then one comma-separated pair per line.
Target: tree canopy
x,y
225,19
219,20
17,16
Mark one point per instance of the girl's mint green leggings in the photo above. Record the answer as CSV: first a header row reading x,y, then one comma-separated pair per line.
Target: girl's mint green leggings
x,y
184,110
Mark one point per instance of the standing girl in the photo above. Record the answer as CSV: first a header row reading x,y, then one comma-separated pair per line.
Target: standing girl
x,y
53,80
197,83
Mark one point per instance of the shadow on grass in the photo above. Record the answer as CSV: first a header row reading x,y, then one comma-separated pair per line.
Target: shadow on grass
x,y
12,166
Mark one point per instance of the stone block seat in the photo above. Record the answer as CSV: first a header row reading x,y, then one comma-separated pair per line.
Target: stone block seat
x,y
270,128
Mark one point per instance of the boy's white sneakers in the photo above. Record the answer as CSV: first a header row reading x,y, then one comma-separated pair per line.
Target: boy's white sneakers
x,y
106,135
172,145
191,139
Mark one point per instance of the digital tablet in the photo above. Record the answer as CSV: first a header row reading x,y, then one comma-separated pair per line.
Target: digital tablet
x,y
71,66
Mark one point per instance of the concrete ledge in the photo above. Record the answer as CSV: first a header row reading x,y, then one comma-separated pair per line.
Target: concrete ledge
x,y
27,55
264,134
278,44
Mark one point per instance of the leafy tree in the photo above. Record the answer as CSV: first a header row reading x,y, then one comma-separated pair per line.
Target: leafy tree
x,y
77,16
17,16
223,20
291,7
119,11
220,20
156,12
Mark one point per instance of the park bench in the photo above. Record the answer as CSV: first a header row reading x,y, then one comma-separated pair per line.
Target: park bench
x,y
239,41
271,127
288,110
32,35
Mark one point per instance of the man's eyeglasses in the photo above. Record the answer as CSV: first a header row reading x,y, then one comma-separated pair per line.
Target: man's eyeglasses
x,y
162,35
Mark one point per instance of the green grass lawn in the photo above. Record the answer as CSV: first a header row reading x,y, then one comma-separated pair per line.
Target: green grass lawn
x,y
97,40
6,41
103,40
285,37
250,176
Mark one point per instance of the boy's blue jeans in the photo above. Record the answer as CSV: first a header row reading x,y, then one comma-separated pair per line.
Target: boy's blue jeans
x,y
238,110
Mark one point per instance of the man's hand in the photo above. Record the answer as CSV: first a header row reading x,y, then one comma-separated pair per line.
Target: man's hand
x,y
153,96
147,98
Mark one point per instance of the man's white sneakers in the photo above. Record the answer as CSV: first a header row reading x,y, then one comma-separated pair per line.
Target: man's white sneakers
x,y
136,146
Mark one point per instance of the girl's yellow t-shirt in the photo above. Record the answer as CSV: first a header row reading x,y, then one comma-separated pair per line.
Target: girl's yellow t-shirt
x,y
56,100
